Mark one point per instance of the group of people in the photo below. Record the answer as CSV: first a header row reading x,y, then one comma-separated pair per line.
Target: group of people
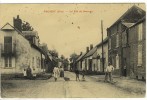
x,y
58,72
29,73
77,74
108,73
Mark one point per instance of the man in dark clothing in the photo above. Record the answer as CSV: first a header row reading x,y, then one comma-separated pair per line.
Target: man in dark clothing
x,y
77,74
83,74
29,73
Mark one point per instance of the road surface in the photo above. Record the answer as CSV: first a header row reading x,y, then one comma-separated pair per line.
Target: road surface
x,y
62,89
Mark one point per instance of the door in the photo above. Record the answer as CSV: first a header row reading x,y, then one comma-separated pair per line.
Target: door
x,y
90,64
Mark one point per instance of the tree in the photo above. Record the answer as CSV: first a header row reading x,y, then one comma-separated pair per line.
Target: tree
x,y
54,53
55,58
64,62
44,47
62,57
27,27
72,59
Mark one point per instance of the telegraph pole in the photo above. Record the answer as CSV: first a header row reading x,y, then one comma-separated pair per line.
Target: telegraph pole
x,y
102,45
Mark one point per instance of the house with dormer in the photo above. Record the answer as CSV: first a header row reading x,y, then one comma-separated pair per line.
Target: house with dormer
x,y
17,52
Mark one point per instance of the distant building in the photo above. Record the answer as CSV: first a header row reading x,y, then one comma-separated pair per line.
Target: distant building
x,y
91,61
88,58
79,61
98,55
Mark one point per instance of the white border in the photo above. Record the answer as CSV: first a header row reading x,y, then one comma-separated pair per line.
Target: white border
x,y
75,1
72,1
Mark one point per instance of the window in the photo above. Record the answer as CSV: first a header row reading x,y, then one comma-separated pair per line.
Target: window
x,y
140,27
8,44
39,62
0,53
117,40
109,43
139,55
117,61
33,62
8,62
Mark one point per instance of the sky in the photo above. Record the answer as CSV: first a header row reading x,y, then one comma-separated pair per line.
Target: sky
x,y
67,28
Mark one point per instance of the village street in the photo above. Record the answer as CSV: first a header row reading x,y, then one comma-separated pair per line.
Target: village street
x,y
62,89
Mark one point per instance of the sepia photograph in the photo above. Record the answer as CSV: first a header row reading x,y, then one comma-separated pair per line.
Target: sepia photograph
x,y
73,50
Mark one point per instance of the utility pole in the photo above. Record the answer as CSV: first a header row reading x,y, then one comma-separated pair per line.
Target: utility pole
x,y
0,53
102,45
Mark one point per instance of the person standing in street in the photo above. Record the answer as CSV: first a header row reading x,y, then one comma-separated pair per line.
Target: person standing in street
x,y
108,73
24,74
56,73
29,73
34,74
83,74
77,74
61,72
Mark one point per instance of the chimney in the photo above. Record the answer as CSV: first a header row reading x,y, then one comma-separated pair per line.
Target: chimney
x,y
81,53
87,49
17,22
91,46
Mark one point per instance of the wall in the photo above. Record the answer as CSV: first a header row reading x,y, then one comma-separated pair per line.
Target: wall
x,y
135,70
115,50
24,53
35,60
22,57
99,61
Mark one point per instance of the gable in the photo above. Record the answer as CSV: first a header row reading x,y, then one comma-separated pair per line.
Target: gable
x,y
132,15
7,26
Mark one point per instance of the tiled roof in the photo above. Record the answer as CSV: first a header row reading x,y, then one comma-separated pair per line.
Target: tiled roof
x,y
80,57
31,33
134,11
91,52
104,41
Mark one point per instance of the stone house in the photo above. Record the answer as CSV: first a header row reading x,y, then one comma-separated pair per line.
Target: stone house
x,y
17,53
117,51
136,47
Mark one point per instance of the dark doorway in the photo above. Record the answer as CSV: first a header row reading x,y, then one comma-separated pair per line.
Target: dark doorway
x,y
124,67
90,64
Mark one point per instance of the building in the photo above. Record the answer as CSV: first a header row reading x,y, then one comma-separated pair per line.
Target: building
x,y
91,61
17,53
117,51
98,55
136,47
88,58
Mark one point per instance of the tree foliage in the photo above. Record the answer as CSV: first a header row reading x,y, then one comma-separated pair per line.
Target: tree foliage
x,y
27,27
73,57
54,53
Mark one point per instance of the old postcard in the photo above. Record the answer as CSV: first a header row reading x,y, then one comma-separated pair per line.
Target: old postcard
x,y
73,50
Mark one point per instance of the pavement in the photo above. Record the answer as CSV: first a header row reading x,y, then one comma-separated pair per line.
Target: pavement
x,y
125,83
66,87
